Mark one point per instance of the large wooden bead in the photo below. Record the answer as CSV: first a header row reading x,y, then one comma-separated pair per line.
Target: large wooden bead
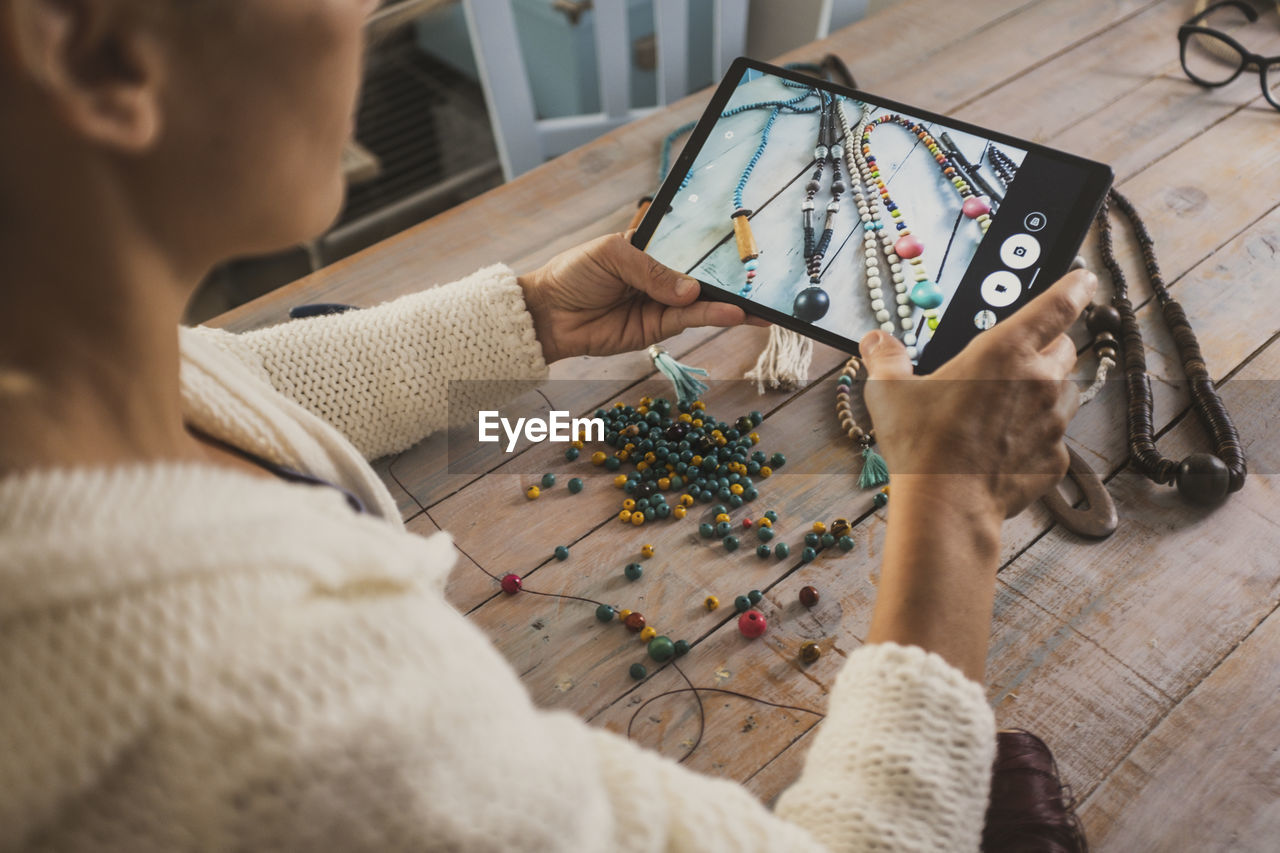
x,y
1103,318
1203,479
908,247
811,304
746,241
974,207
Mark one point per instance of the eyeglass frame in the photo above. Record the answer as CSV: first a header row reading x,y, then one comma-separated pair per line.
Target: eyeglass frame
x,y
1261,64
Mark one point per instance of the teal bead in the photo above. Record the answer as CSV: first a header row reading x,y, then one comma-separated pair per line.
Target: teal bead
x,y
771,515
844,380
612,463
782,550
633,571
765,533
661,649
742,604
777,460
723,528
735,501
642,504
677,482
762,550
658,498
828,540
813,540
562,553
575,485
638,672
926,294
706,530
718,509
844,543
663,511
548,480
807,555
605,613
650,514
571,454
755,596
681,648
731,543
880,499
750,493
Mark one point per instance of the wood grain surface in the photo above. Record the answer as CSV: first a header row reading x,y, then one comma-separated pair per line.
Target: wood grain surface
x,y
1147,661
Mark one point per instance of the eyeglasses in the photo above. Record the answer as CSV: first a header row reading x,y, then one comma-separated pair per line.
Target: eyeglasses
x,y
1210,57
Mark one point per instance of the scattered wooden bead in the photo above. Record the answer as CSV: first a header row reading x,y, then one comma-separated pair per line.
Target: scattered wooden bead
x,y
752,624
638,671
511,584
575,485
711,603
810,652
548,480
647,633
634,622
532,492
809,596
646,550
633,571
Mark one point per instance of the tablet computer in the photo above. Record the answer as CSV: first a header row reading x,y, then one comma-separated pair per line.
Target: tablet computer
x,y
835,212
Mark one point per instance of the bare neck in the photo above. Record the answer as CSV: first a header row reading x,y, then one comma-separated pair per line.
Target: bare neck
x,y
88,335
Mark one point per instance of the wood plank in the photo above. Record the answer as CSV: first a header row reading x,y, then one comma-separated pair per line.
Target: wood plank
x,y
1206,777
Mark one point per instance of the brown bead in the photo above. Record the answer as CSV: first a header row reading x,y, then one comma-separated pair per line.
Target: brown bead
x,y
1103,318
634,622
1203,479
809,596
810,652
839,527
1106,352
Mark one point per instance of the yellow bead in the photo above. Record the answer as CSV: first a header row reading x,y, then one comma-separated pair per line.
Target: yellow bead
x,y
884,490
623,614
764,522
685,418
578,443
629,446
622,455
686,500
716,433
650,458
620,480
646,551
624,516
642,466
697,422
755,437
532,492
598,457
765,470
819,528
647,633
646,400
678,511
637,518
724,516
695,461
721,441
643,410
736,488
629,503
619,405
711,602
699,405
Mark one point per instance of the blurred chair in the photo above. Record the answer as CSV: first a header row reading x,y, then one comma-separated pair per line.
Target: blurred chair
x,y
524,140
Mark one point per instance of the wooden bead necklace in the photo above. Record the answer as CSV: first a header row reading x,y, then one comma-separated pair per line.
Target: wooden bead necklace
x,y
875,473
811,304
1204,479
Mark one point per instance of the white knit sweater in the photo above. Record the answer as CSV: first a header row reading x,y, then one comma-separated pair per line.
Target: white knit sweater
x,y
192,658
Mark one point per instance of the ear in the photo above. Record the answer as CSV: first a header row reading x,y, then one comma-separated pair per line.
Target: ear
x,y
98,63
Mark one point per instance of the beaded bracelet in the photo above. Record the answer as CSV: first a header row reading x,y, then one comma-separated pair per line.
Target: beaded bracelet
x,y
874,470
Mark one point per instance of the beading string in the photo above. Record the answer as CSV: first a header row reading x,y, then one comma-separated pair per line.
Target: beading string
x,y
1204,395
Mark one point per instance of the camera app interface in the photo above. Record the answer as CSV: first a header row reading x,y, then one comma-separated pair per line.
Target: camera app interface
x,y
850,216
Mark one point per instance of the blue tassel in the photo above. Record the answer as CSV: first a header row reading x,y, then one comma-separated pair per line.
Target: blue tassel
x,y
688,387
874,470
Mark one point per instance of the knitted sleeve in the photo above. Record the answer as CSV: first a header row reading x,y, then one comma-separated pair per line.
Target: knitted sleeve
x,y
382,375
903,757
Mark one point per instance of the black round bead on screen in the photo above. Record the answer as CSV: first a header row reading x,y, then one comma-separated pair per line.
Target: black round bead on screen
x,y
811,304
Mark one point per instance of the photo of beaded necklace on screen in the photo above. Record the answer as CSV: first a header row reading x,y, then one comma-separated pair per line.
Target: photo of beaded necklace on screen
x,y
846,215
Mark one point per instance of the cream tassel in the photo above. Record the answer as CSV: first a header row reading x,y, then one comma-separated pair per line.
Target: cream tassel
x,y
784,363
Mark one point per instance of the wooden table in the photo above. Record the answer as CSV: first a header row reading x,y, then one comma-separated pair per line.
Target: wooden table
x,y
1148,661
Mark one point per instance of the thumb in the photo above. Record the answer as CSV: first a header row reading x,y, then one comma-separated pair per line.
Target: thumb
x,y
639,270
885,356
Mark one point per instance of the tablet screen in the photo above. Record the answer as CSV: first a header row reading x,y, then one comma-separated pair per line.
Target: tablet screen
x,y
836,214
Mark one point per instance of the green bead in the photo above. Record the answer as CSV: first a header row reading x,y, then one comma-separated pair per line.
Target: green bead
x,y
650,514
742,604
771,515
762,550
633,571
844,380
548,480
642,504
562,553
813,540
661,649
605,613
723,528
735,501
807,555
681,648
571,454
765,533
755,596
880,499
777,460
731,543
575,485
845,543
828,540
706,530
718,509
677,482
612,463
782,550
638,672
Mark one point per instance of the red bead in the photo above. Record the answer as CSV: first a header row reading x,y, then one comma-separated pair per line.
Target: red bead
x,y
752,624
751,274
634,622
511,584
974,207
808,596
746,524
908,247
